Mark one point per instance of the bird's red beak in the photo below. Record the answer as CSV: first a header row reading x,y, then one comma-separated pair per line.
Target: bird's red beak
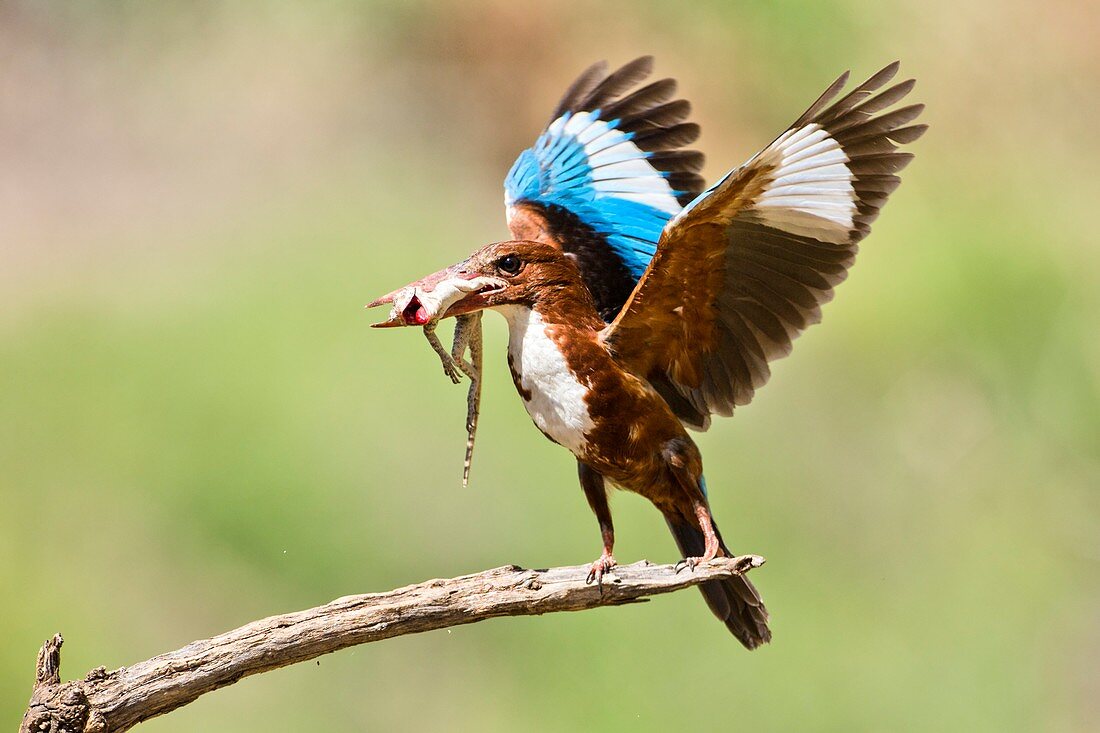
x,y
450,292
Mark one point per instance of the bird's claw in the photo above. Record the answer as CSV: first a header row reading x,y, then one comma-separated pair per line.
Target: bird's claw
x,y
597,569
688,563
691,562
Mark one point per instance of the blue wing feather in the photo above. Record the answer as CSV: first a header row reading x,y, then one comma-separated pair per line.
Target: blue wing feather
x,y
557,171
593,176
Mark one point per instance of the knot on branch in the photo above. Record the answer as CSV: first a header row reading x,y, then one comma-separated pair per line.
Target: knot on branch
x,y
56,707
48,669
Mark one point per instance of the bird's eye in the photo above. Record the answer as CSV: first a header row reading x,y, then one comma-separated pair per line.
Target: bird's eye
x,y
509,264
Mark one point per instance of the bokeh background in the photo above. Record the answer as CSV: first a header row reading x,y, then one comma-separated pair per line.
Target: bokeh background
x,y
198,428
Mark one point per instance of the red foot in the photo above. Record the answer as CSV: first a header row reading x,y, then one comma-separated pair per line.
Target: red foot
x,y
598,568
711,547
691,562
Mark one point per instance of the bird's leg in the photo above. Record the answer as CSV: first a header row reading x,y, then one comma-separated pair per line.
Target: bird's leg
x,y
593,485
449,367
468,335
606,560
712,548
683,462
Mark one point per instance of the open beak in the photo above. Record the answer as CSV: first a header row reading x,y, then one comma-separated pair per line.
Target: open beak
x,y
449,292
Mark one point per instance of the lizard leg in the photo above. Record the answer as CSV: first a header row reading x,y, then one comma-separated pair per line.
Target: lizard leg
x,y
449,367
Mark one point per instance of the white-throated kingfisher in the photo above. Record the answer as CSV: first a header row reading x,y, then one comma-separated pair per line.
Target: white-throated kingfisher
x,y
639,304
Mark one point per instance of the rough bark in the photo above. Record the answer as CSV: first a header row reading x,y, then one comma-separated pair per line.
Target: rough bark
x,y
112,701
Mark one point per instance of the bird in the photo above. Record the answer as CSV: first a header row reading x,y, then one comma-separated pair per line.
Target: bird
x,y
641,303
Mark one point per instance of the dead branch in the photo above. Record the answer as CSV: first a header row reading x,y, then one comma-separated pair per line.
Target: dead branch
x,y
120,699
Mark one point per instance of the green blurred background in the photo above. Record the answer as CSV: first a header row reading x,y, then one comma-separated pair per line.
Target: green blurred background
x,y
198,428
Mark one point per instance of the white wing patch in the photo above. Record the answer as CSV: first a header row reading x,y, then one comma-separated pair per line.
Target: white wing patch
x,y
810,192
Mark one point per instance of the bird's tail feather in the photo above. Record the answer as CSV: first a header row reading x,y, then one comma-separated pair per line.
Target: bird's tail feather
x,y
735,601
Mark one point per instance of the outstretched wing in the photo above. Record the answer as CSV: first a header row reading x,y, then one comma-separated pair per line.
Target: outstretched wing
x,y
745,268
606,175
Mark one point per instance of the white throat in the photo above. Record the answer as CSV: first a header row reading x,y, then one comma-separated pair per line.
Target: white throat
x,y
557,400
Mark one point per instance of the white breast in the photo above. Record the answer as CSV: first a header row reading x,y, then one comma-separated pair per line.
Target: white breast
x,y
556,403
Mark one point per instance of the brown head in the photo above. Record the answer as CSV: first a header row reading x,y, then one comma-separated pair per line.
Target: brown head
x,y
524,273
